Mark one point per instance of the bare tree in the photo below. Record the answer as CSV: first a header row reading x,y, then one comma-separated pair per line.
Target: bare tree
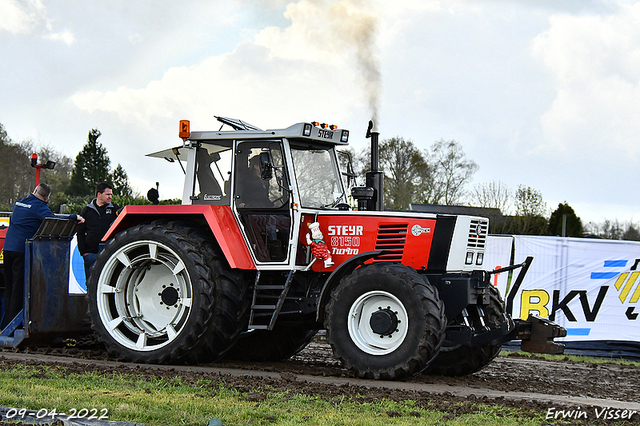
x,y
406,171
494,194
415,176
530,218
17,174
451,170
529,202
614,230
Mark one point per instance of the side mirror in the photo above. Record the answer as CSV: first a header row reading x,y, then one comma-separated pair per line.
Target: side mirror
x,y
153,196
266,168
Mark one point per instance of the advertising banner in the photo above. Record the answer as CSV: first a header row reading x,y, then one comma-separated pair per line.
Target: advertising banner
x,y
588,286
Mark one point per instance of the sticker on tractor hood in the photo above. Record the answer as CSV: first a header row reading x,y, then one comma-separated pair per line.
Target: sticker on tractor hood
x,y
345,229
418,230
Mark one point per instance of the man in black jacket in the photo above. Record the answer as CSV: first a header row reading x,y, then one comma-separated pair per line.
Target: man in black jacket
x,y
99,214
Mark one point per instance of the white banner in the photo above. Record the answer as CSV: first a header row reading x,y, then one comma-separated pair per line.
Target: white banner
x,y
77,280
588,286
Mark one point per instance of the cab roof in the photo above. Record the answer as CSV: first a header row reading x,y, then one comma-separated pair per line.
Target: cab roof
x,y
309,132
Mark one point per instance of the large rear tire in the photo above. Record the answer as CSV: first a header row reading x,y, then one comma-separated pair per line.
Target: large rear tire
x,y
459,360
159,293
279,344
385,321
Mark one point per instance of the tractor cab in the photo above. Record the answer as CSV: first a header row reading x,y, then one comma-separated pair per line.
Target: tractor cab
x,y
268,178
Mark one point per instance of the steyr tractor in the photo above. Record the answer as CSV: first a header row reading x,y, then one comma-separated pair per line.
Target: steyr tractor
x,y
267,248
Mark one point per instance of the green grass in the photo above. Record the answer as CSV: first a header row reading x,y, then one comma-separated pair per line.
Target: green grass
x,y
171,401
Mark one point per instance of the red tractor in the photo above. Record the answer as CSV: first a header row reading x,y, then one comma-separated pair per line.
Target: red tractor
x,y
266,250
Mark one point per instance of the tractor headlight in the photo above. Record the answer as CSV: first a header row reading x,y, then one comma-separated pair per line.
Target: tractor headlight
x,y
306,131
469,259
479,259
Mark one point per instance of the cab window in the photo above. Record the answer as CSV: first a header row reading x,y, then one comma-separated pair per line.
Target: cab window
x,y
213,173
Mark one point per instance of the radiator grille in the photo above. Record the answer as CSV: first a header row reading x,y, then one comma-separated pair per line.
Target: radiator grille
x,y
391,238
478,230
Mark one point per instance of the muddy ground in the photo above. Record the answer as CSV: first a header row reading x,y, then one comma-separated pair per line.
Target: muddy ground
x,y
616,383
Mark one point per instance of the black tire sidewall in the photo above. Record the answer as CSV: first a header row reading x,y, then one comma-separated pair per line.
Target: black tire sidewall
x,y
423,308
464,360
190,253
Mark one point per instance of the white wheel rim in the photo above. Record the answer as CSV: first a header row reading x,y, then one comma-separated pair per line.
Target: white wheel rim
x,y
360,329
134,287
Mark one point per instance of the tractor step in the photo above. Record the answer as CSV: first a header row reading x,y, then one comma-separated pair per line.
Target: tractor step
x,y
263,312
265,307
269,287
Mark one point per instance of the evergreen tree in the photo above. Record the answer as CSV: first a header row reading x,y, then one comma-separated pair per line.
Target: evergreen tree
x,y
631,234
90,168
120,182
573,222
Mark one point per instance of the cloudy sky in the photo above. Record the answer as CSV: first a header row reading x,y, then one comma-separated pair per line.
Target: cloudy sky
x,y
542,93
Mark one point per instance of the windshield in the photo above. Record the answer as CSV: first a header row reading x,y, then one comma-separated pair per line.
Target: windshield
x,y
318,177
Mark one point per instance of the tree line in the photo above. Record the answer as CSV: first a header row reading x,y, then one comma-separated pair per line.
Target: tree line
x,y
442,174
439,175
72,182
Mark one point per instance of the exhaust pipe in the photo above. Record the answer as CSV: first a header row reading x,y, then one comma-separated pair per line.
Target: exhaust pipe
x,y
375,178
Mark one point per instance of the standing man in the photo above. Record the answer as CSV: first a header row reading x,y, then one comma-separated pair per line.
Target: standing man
x,y
99,214
28,214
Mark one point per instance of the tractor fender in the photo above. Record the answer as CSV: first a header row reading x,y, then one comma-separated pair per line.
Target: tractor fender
x,y
219,219
344,269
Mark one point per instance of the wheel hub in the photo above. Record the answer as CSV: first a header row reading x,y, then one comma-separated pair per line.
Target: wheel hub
x,y
378,322
383,322
169,296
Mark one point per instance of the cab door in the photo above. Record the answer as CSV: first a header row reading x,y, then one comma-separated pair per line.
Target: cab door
x,y
262,198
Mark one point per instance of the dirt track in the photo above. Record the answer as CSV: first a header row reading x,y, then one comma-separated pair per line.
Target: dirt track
x,y
531,385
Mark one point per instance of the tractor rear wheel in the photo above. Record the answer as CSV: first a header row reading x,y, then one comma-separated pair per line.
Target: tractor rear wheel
x,y
276,345
159,293
385,321
459,360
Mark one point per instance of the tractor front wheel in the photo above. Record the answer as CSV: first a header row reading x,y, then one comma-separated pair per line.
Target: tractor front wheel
x,y
385,321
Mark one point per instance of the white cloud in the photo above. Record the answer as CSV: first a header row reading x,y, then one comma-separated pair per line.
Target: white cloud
x,y
279,73
66,36
21,16
594,61
136,38
27,16
541,93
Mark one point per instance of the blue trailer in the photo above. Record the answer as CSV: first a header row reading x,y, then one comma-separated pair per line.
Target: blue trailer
x,y
49,310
